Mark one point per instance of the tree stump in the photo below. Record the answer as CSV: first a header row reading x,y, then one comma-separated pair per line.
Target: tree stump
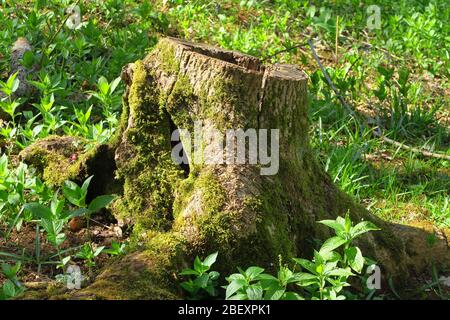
x,y
248,217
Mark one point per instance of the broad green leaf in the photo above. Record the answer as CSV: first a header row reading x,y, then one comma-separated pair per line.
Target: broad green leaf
x,y
341,221
85,185
308,265
56,205
331,256
38,210
10,271
211,259
188,272
12,84
202,281
330,266
9,289
189,286
318,259
305,279
253,272
14,198
4,165
275,294
333,224
233,287
240,296
268,281
363,227
76,213
292,296
53,229
214,275
199,267
65,260
73,193
100,202
56,239
98,251
355,258
103,85
331,244
340,272
319,269
254,292
114,84
235,276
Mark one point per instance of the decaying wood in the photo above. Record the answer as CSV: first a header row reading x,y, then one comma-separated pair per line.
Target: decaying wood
x,y
249,218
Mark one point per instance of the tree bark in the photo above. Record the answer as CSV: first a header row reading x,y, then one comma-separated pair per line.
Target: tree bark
x,y
249,218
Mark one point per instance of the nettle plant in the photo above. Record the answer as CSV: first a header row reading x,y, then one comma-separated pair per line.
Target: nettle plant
x,y
322,278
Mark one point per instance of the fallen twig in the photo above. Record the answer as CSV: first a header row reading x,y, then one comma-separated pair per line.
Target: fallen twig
x,y
403,146
330,83
282,51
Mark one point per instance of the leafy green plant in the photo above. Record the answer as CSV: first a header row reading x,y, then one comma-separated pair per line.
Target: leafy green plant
x,y
52,220
201,281
18,186
49,212
11,287
322,278
329,271
105,92
77,196
253,284
88,253
345,234
8,104
116,249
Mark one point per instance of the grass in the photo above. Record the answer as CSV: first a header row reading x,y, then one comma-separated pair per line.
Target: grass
x,y
397,76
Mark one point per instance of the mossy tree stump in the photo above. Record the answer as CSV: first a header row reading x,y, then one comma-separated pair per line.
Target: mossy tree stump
x,y
249,218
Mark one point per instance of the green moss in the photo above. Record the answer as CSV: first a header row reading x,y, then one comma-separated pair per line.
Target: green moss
x,y
150,175
123,122
167,52
150,274
56,158
213,196
61,158
178,102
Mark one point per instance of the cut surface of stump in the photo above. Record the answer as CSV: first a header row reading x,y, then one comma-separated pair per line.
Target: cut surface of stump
x,y
250,218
